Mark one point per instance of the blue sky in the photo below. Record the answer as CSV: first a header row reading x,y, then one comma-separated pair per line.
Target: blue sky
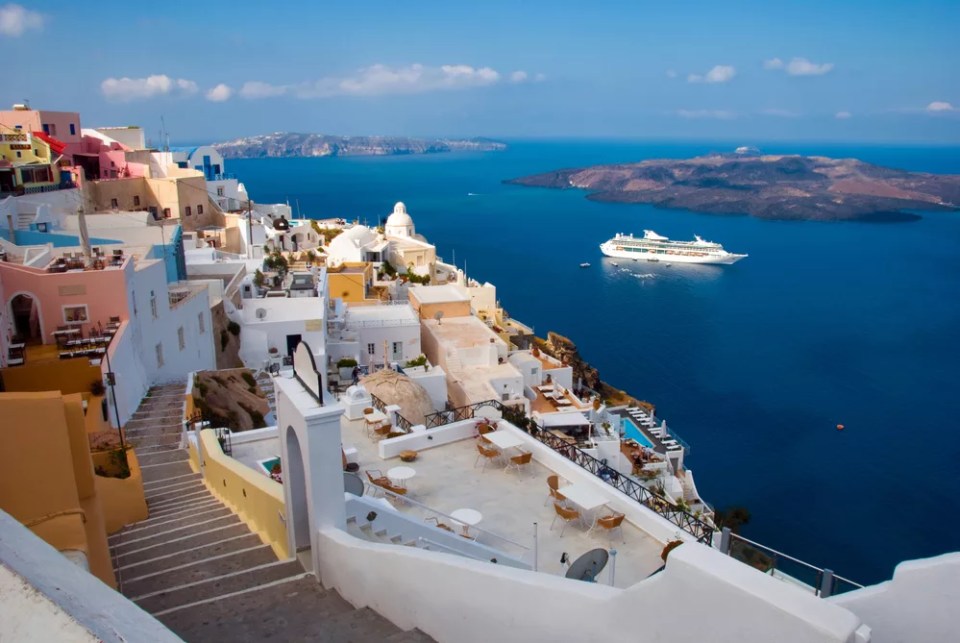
x,y
751,71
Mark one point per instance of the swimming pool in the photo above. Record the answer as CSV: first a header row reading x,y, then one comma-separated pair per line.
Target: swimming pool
x,y
268,464
631,430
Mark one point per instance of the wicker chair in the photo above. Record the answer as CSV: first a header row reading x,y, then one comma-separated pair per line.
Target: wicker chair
x,y
487,455
611,522
565,514
439,524
554,483
378,482
519,462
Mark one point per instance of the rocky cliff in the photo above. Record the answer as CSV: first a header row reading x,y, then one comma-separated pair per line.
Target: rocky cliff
x,y
280,144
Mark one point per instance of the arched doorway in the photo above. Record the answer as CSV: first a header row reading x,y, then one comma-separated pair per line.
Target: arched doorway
x,y
25,313
294,478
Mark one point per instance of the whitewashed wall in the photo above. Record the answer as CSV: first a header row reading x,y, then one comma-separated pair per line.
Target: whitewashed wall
x,y
701,596
916,605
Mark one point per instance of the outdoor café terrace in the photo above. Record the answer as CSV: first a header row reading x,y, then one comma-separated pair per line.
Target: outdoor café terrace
x,y
444,480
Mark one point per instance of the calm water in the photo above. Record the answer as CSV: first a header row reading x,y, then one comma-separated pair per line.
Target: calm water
x,y
753,364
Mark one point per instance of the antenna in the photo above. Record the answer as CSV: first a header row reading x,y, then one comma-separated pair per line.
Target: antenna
x,y
164,135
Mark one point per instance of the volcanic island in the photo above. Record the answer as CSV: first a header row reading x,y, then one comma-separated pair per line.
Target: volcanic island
x,y
787,187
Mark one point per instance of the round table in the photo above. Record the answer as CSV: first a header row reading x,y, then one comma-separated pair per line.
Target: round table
x,y
466,518
400,475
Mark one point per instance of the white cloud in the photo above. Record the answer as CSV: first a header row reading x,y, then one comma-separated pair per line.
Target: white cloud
x,y
803,67
257,89
219,93
719,74
773,63
382,80
539,78
15,19
126,89
187,86
842,115
940,106
706,113
671,73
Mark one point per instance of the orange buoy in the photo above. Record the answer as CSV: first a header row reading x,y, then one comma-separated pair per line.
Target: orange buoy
x,y
839,427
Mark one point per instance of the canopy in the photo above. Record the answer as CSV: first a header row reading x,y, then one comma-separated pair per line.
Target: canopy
x,y
561,419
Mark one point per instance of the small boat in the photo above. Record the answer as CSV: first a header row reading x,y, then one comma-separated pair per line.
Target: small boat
x,y
585,265
614,263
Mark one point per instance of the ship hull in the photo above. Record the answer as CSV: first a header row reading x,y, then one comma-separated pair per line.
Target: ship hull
x,y
721,258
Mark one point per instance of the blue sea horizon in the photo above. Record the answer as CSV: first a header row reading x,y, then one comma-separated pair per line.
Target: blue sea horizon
x,y
753,364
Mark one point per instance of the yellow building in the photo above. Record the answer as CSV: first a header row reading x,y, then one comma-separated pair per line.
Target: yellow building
x,y
26,162
351,282
47,480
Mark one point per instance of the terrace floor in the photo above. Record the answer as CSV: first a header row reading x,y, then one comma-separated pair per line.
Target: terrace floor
x,y
446,480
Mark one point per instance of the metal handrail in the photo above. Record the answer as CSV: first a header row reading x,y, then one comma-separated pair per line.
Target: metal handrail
x,y
407,500
825,582
660,505
700,529
402,422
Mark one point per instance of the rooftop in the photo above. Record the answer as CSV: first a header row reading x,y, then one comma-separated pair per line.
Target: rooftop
x,y
446,480
461,332
438,294
389,314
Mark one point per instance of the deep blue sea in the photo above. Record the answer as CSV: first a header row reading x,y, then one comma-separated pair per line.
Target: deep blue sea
x,y
753,364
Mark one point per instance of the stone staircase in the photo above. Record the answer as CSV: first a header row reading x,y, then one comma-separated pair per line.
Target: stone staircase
x,y
196,566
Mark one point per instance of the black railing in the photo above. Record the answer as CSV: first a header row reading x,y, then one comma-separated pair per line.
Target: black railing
x,y
440,418
693,525
699,529
401,423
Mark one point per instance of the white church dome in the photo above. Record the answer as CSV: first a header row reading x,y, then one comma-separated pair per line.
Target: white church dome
x,y
399,223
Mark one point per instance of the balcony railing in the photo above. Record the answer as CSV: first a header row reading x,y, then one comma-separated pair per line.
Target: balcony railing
x,y
822,582
693,525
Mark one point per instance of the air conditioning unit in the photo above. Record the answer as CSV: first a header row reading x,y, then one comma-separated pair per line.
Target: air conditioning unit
x,y
261,313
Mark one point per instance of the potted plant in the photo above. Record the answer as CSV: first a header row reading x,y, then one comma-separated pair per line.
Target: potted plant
x,y
346,366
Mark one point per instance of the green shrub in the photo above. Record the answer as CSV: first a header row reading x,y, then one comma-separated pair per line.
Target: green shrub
x,y
420,361
346,362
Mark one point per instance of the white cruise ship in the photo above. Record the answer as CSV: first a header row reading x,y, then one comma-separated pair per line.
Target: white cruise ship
x,y
655,248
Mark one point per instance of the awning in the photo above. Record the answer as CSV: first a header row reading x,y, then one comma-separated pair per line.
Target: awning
x,y
56,145
561,419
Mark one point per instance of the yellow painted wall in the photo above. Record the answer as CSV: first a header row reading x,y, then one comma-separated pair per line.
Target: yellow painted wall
x,y
349,285
449,309
255,498
67,376
122,500
47,480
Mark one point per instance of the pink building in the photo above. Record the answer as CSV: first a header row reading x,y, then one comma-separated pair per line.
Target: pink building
x,y
38,301
63,126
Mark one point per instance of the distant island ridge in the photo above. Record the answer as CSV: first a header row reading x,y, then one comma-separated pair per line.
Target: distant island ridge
x,y
782,186
290,144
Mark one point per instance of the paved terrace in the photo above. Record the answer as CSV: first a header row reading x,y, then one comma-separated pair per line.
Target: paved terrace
x,y
446,480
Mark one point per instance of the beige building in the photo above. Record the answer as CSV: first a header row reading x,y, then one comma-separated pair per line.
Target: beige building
x,y
447,301
475,360
182,195
407,250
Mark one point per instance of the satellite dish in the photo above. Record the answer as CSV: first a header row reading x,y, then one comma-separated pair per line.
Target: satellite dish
x,y
352,483
588,566
261,313
438,316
